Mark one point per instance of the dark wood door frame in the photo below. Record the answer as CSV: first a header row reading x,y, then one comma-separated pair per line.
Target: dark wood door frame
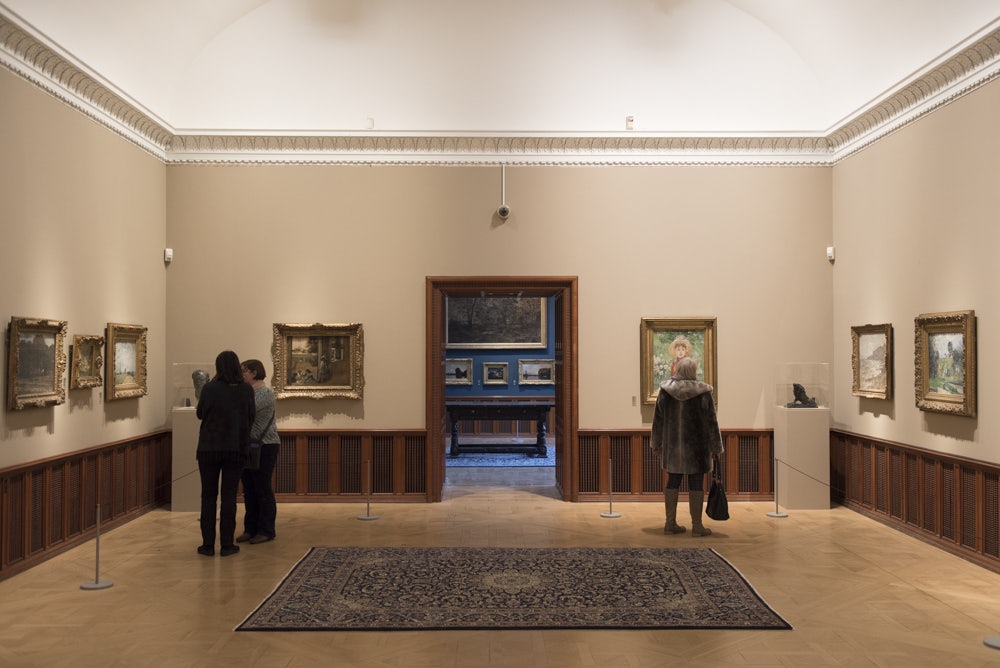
x,y
566,423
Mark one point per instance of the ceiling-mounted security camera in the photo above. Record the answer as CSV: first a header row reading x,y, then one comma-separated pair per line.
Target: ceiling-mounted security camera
x,y
503,211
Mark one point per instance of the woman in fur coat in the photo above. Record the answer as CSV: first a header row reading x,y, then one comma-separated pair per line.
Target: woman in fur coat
x,y
686,433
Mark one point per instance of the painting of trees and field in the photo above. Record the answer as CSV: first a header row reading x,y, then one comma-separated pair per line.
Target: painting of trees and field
x,y
946,363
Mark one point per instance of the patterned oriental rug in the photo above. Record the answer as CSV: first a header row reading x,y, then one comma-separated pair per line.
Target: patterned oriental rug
x,y
398,588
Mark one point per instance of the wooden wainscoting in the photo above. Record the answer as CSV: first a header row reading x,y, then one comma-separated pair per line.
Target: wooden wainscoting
x,y
324,465
946,500
620,461
49,506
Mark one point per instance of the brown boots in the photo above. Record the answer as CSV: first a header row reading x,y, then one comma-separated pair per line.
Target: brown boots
x,y
670,501
695,500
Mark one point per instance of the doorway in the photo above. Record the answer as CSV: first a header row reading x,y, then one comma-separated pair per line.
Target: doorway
x,y
563,291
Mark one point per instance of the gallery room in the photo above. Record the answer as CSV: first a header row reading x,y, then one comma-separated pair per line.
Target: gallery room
x,y
464,240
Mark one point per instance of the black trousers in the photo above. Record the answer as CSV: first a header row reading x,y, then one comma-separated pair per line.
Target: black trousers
x,y
696,481
258,495
212,467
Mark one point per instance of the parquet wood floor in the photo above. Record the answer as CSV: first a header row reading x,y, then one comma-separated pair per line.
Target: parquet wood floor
x,y
856,592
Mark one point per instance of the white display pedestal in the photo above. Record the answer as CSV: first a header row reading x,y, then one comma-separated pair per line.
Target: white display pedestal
x,y
185,491
802,448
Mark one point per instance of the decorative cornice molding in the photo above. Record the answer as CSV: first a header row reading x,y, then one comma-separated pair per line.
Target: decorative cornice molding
x,y
24,54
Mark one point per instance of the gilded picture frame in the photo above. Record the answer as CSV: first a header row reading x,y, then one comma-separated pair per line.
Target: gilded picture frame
x,y
489,322
945,362
86,361
318,361
663,341
125,373
495,373
458,371
36,363
872,361
536,372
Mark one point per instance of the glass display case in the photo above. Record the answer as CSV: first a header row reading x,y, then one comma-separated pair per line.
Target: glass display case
x,y
188,378
802,386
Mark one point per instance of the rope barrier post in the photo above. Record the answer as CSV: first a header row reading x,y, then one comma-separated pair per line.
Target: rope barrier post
x,y
776,513
368,496
98,583
611,488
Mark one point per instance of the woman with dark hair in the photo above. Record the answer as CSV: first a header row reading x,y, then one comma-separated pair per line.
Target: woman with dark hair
x,y
258,496
686,431
226,411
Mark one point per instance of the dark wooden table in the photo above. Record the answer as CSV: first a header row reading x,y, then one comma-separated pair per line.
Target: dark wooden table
x,y
499,410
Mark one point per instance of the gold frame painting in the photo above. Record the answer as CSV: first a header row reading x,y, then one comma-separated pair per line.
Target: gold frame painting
x,y
945,362
536,372
36,363
663,341
458,371
86,361
495,373
125,374
871,361
318,361
491,322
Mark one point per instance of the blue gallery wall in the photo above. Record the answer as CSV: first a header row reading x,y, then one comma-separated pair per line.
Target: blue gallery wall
x,y
511,356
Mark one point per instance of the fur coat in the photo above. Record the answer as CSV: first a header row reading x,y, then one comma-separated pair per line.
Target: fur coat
x,y
685,427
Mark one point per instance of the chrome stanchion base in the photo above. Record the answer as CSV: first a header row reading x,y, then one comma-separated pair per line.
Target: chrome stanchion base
x,y
96,584
611,514
992,641
775,513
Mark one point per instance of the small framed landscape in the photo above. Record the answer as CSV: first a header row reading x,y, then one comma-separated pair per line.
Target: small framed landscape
x,y
36,363
318,361
494,373
664,341
945,362
86,361
871,361
536,372
458,371
125,377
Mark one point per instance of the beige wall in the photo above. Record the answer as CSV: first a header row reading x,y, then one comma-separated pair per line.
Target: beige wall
x,y
258,245
86,215
915,225
82,214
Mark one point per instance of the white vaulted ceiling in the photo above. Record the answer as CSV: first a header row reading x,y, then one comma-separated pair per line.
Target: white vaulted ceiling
x,y
507,80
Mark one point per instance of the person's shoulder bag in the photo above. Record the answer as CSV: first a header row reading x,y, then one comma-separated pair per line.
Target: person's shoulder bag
x,y
717,507
255,445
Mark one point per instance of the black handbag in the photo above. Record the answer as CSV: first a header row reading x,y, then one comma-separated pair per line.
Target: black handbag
x,y
717,507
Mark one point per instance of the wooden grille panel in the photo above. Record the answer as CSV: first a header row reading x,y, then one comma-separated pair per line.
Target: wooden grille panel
x,y
991,515
381,465
620,455
967,507
589,473
652,468
318,457
350,465
950,501
416,465
49,506
749,459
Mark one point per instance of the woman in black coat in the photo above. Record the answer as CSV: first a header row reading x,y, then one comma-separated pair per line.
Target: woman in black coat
x,y
686,432
226,411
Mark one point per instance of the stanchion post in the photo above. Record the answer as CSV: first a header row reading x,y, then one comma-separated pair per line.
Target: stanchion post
x,y
774,481
368,496
97,583
611,490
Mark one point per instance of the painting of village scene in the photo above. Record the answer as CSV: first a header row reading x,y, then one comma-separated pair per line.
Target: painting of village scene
x,y
871,361
946,362
318,361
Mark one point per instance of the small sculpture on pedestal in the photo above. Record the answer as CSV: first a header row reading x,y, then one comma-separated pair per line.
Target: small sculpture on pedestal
x,y
200,377
802,400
